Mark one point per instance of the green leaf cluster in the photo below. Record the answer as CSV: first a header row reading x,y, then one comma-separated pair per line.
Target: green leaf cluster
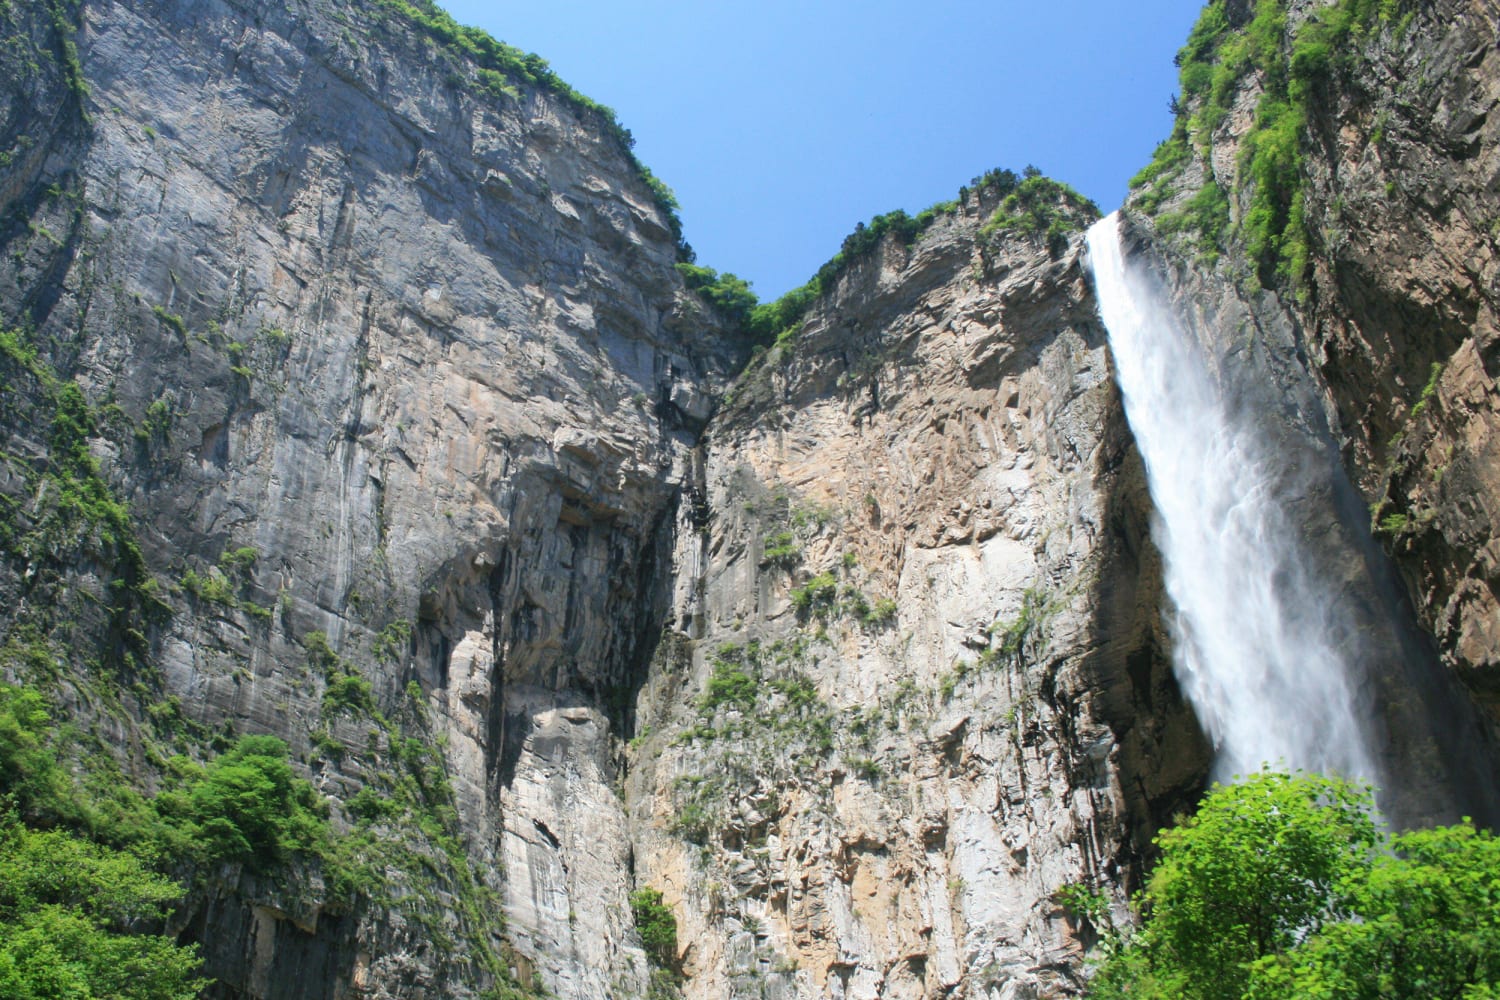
x,y
69,515
819,592
657,926
66,906
245,806
1041,206
1213,62
1285,885
727,293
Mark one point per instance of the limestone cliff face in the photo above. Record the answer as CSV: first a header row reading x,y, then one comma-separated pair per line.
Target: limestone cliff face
x,y
1402,316
914,685
437,472
400,382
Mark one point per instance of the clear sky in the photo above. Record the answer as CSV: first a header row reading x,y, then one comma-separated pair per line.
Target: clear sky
x,y
781,124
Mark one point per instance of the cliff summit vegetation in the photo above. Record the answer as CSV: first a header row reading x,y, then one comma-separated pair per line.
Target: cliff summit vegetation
x,y
1291,68
1031,205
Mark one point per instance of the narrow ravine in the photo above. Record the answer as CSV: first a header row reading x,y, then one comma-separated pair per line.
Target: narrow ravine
x,y
1252,626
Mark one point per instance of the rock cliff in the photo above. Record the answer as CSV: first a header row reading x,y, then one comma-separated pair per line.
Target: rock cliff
x,y
1345,289
914,690
394,370
352,395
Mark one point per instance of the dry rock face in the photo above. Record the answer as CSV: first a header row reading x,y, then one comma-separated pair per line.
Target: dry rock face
x,y
915,685
1402,322
404,379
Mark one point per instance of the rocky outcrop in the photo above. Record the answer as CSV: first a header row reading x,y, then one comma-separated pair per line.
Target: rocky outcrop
x,y
914,694
431,466
1402,310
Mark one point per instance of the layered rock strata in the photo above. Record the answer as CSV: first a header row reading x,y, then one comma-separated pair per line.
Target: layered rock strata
x,y
913,696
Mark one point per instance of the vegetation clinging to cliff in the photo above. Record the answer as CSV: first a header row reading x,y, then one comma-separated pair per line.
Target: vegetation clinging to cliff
x,y
1041,206
1213,63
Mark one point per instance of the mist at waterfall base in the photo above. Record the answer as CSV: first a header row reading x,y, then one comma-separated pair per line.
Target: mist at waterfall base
x,y
1252,627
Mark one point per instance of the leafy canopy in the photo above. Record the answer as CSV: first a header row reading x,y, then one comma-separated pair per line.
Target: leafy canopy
x,y
65,904
1285,885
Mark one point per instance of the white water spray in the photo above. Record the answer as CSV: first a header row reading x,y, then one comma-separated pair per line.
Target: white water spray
x,y
1253,631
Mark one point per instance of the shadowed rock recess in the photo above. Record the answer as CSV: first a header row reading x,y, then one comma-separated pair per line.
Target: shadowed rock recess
x,y
352,395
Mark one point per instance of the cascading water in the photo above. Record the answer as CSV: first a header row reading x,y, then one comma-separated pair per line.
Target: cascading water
x,y
1252,629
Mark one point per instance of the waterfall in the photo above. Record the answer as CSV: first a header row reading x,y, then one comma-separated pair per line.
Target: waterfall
x,y
1252,628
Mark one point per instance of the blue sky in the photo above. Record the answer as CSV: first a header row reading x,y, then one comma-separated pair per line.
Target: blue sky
x,y
780,124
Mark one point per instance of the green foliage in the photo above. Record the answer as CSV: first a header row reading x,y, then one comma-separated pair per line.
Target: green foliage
x,y
248,806
67,50
1392,524
1041,206
781,551
657,927
1036,609
391,642
31,779
210,587
777,321
1083,902
1206,215
816,596
63,905
1286,886
728,685
1434,374
320,653
1212,64
172,320
69,516
348,693
1426,924
729,294
156,423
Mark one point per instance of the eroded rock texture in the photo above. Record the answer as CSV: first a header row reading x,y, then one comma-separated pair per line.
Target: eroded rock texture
x,y
1402,315
915,684
1368,370
440,474
402,380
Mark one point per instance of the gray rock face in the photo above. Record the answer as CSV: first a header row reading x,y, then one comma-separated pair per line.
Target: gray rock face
x,y
915,688
857,657
420,351
1402,329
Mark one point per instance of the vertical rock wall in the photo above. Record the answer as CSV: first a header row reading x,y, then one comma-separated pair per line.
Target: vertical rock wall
x,y
402,382
914,692
1355,367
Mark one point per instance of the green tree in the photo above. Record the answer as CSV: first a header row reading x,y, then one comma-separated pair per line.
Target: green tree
x,y
247,806
29,773
65,904
1260,864
1286,886
1428,925
657,927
